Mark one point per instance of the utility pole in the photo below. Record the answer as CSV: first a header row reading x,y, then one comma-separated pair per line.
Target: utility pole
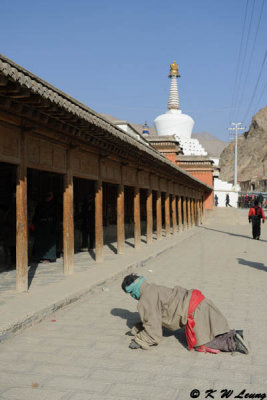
x,y
236,127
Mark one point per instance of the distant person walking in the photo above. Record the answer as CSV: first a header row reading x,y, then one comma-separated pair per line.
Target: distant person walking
x,y
260,199
216,200
227,200
255,215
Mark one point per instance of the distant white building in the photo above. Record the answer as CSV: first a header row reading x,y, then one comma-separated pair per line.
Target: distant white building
x,y
221,188
192,147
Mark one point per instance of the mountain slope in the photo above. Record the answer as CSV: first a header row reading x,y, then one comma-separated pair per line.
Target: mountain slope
x,y
252,152
211,144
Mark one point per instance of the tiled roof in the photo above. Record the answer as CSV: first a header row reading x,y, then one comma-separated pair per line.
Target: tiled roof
x,y
36,85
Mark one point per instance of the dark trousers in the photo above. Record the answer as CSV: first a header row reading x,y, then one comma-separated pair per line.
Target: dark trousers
x,y
223,342
256,227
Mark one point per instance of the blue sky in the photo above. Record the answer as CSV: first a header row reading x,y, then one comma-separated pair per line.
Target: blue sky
x,y
114,56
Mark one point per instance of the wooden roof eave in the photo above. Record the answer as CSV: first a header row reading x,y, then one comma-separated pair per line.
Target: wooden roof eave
x,y
58,105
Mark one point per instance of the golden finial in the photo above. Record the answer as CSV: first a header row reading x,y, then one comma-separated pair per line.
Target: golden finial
x,y
174,69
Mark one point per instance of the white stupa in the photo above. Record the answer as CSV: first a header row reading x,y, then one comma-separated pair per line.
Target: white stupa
x,y
174,122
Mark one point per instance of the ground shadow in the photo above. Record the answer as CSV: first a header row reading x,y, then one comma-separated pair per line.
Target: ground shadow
x,y
92,253
129,243
252,264
179,335
228,233
131,317
31,272
112,247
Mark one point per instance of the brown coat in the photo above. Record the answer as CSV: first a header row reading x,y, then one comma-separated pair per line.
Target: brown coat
x,y
160,306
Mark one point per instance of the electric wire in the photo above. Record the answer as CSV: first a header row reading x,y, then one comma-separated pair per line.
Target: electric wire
x,y
238,63
260,97
252,50
256,86
241,87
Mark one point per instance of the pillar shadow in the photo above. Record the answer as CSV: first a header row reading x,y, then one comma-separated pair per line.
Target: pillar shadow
x,y
31,272
129,243
252,264
92,253
113,248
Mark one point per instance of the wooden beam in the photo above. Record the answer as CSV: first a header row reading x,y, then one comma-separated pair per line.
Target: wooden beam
x,y
99,221
23,94
174,217
167,214
68,224
3,81
120,220
149,216
159,215
21,222
137,224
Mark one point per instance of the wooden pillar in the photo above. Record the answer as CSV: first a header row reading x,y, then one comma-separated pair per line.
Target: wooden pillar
x,y
199,212
174,218
149,216
68,225
159,215
167,214
120,220
202,210
188,212
179,207
185,220
192,212
137,224
196,212
99,221
21,222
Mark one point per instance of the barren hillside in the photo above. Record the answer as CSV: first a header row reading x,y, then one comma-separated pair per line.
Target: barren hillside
x,y
252,152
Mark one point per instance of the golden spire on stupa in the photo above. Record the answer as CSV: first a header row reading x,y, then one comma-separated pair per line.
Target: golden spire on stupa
x,y
174,70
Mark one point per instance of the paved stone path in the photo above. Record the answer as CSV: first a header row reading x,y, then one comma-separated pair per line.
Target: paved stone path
x,y
82,352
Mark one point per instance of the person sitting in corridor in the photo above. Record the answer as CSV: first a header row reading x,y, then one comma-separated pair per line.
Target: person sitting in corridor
x,y
206,328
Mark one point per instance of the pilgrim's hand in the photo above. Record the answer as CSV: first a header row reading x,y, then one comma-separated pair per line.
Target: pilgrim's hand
x,y
134,345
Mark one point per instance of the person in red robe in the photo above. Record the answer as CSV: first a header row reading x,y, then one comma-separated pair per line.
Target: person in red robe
x,y
255,215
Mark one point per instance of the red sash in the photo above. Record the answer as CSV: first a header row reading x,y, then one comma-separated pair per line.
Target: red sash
x,y
196,298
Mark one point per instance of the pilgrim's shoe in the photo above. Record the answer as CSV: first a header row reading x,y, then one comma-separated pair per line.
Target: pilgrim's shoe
x,y
134,345
240,332
240,344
